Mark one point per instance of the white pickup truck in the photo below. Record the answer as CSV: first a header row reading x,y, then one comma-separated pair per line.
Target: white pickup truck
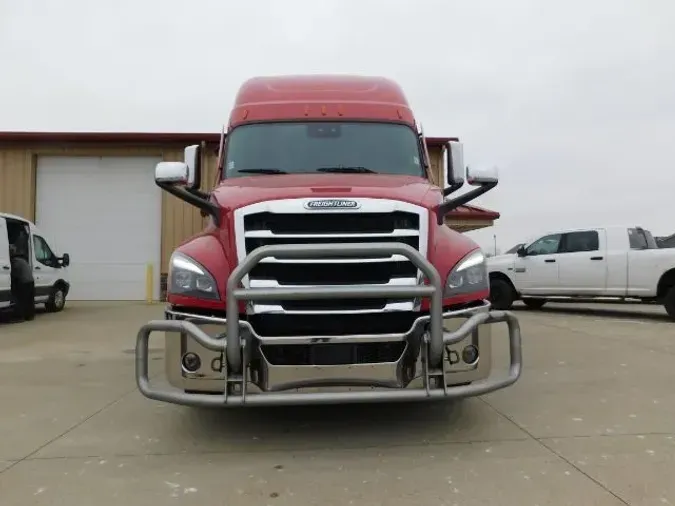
x,y
616,262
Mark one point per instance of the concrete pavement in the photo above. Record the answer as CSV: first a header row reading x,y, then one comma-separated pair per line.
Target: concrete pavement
x,y
591,422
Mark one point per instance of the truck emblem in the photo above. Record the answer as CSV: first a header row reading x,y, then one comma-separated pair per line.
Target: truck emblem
x,y
332,204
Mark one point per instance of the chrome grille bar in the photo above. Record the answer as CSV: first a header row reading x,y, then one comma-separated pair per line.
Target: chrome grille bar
x,y
291,222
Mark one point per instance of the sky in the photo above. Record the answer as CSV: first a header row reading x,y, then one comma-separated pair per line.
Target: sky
x,y
573,101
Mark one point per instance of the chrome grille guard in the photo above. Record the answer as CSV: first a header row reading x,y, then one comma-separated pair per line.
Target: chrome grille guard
x,y
233,346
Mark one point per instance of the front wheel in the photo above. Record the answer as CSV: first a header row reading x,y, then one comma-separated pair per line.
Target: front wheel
x,y
57,300
669,302
502,294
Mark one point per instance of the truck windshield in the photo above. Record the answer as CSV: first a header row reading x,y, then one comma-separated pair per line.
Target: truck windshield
x,y
323,147
515,248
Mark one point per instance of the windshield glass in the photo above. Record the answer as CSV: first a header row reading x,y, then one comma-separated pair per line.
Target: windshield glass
x,y
515,248
291,148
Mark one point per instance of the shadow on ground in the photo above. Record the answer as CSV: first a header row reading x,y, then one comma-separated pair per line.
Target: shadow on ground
x,y
611,311
7,316
331,426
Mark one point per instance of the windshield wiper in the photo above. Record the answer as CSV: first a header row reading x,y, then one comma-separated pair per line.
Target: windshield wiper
x,y
263,171
343,168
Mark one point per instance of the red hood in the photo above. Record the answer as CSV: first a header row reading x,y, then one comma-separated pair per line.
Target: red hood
x,y
242,191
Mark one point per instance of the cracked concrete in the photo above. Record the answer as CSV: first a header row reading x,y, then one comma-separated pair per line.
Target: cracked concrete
x,y
591,422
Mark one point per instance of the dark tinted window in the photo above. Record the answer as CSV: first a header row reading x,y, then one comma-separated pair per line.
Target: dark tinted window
x,y
581,241
547,245
637,239
305,147
651,242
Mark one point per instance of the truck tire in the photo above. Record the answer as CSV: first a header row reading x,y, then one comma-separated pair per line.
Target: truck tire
x,y
669,302
502,294
57,299
534,303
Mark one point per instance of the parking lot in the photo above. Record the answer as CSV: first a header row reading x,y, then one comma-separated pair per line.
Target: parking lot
x,y
592,421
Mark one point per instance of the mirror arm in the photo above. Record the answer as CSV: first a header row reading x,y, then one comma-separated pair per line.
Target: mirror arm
x,y
452,188
198,193
452,204
205,205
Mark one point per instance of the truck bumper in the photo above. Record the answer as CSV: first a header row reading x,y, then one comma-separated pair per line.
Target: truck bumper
x,y
235,371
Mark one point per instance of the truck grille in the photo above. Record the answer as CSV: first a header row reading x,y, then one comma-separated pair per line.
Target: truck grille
x,y
288,222
332,223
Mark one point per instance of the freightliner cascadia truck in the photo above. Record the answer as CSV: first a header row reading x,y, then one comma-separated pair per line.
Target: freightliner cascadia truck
x,y
326,272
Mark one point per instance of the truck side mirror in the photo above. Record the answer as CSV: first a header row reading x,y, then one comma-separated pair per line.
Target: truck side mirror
x,y
187,173
453,169
183,179
193,159
484,179
481,176
521,252
65,260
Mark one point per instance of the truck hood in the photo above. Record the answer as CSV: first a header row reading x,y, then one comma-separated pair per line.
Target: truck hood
x,y
243,191
500,262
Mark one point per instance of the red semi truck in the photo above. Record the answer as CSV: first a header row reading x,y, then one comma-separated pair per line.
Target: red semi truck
x,y
326,273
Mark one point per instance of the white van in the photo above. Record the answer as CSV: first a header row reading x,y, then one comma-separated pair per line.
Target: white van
x,y
49,270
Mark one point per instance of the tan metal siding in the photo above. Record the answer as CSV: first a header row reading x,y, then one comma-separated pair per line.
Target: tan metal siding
x,y
467,225
180,220
17,182
436,162
177,216
96,150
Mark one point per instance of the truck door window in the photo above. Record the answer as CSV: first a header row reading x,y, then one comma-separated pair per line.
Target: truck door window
x,y
637,239
587,240
43,252
304,147
547,245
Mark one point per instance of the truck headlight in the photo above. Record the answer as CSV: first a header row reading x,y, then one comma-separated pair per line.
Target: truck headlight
x,y
189,278
468,276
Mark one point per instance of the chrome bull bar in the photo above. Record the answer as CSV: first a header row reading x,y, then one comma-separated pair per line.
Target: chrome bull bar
x,y
233,345
296,251
176,396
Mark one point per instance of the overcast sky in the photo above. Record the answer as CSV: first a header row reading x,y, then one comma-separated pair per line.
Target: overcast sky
x,y
574,101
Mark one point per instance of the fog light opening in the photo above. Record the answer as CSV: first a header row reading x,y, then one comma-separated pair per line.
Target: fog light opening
x,y
191,362
470,354
217,364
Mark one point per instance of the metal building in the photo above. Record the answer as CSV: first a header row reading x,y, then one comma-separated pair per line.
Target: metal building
x,y
93,195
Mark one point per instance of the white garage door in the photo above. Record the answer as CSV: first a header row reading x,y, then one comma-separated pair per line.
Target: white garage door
x,y
106,213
